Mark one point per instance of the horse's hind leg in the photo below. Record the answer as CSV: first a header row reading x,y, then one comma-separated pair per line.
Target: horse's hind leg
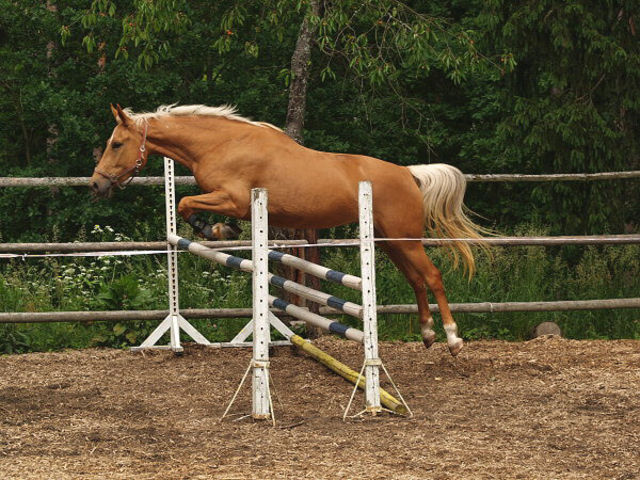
x,y
413,253
417,282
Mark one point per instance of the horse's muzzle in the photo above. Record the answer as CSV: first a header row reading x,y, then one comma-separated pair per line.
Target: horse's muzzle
x,y
101,187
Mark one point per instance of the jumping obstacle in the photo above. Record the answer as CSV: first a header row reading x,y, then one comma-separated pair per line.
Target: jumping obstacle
x,y
263,319
386,399
287,285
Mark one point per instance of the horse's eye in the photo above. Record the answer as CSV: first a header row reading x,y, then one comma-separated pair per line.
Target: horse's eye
x,y
116,145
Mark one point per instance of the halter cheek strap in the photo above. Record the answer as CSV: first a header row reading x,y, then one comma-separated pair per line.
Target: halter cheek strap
x,y
116,179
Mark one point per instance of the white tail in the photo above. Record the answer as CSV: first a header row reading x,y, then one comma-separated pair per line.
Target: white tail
x,y
443,187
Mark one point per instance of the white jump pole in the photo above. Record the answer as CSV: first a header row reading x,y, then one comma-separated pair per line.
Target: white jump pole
x,y
372,363
262,407
261,321
369,315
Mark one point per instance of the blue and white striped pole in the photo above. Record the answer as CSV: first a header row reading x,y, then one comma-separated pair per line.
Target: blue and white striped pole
x,y
288,285
316,270
245,265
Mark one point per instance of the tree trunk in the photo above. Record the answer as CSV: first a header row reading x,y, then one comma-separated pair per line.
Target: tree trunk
x,y
300,66
300,63
52,129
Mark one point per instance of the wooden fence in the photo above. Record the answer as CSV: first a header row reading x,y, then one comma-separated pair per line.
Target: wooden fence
x,y
20,249
189,180
555,177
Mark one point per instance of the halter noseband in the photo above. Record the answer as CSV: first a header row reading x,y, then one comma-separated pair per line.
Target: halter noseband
x,y
115,179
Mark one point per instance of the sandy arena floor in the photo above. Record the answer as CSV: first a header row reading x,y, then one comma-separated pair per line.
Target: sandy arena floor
x,y
544,409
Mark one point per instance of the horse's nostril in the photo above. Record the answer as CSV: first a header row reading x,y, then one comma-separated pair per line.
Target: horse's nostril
x,y
93,186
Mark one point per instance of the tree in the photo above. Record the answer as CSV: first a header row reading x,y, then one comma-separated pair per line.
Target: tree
x,y
379,41
571,105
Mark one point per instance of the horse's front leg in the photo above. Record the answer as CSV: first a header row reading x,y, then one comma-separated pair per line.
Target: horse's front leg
x,y
217,202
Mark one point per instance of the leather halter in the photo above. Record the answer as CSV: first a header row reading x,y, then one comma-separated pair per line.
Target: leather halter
x,y
115,179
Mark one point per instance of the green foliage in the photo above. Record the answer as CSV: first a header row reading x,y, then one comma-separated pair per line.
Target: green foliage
x,y
571,105
123,294
13,340
385,41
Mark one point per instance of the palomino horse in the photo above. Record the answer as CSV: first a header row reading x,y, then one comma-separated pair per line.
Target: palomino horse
x,y
229,155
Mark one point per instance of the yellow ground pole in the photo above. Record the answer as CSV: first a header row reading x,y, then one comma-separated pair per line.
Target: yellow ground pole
x,y
345,372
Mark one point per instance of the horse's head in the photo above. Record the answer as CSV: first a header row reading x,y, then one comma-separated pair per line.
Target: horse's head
x,y
123,157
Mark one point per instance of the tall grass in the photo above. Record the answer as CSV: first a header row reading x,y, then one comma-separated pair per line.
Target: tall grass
x,y
511,274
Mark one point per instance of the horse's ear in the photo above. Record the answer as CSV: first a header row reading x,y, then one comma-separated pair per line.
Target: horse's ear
x,y
119,114
114,112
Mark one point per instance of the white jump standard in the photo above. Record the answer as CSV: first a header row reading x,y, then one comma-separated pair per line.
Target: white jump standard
x,y
174,321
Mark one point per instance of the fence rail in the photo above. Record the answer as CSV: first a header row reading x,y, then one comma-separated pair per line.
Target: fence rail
x,y
482,307
189,180
82,247
555,177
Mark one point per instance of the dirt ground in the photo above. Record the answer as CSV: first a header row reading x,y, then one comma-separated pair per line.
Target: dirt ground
x,y
544,409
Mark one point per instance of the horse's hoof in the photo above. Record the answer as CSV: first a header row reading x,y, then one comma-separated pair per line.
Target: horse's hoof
x,y
201,228
227,231
206,232
455,347
428,338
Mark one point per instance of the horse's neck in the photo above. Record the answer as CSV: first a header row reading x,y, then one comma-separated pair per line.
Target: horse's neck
x,y
182,138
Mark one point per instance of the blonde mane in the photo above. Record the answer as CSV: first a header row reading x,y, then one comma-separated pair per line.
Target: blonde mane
x,y
224,111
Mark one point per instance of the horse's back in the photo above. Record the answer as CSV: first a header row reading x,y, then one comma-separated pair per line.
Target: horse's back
x,y
313,189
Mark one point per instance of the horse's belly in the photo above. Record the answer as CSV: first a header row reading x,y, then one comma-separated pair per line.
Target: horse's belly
x,y
300,213
310,219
